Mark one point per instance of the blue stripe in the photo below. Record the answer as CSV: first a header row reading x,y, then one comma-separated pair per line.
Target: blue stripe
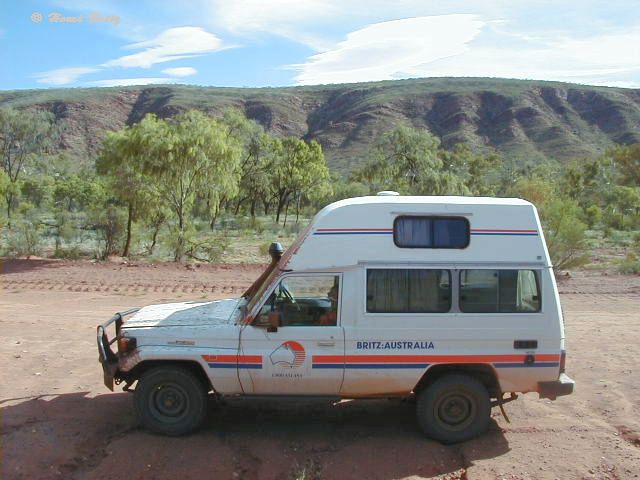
x,y
423,365
508,233
353,233
371,365
520,365
235,365
516,234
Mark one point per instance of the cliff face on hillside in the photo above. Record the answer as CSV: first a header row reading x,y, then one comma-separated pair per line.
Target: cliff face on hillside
x,y
523,119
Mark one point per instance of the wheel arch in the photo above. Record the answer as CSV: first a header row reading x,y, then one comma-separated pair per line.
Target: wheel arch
x,y
190,365
485,373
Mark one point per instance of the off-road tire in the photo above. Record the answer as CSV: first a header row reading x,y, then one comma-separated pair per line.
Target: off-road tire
x,y
454,408
170,401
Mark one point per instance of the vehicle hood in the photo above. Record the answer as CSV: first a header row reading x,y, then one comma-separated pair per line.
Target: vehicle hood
x,y
183,314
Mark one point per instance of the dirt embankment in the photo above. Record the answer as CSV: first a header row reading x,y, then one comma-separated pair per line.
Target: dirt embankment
x,y
58,420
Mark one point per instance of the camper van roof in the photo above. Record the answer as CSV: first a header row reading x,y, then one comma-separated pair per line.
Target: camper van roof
x,y
502,231
432,200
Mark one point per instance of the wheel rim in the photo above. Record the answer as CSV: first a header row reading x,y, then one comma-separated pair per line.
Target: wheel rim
x,y
455,410
169,403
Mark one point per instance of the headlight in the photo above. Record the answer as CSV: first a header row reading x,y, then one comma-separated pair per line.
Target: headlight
x,y
126,345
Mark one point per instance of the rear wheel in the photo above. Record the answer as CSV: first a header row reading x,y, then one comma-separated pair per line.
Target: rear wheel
x,y
170,401
454,408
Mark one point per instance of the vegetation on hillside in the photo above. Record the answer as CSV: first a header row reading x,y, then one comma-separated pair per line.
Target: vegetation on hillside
x,y
520,119
194,186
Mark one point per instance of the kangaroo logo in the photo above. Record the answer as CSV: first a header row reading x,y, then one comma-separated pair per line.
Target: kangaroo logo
x,y
290,354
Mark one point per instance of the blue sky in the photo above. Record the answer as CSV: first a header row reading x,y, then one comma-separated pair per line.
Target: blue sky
x,y
256,43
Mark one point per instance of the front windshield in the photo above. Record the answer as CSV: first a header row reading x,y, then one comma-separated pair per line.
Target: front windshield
x,y
255,292
257,295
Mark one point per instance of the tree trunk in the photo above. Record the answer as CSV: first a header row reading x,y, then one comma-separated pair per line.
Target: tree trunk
x,y
9,198
298,208
154,239
8,214
214,219
282,199
286,212
127,245
179,251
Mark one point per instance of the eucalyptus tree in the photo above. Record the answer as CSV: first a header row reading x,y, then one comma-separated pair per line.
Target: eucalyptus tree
x,y
412,161
24,135
297,168
122,159
257,151
192,155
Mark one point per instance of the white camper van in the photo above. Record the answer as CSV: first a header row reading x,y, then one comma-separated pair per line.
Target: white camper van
x,y
449,299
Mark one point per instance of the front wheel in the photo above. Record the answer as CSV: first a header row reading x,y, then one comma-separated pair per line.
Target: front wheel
x,y
170,401
454,408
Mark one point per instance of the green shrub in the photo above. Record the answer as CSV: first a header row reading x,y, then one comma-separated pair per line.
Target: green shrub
x,y
630,265
24,239
264,249
593,215
565,233
69,253
208,249
607,232
109,224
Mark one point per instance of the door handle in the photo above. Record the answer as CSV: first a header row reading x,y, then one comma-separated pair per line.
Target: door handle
x,y
327,343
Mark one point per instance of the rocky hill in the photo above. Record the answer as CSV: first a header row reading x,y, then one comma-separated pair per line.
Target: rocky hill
x,y
522,119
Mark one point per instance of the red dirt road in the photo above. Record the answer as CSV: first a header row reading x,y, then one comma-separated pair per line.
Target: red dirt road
x,y
59,421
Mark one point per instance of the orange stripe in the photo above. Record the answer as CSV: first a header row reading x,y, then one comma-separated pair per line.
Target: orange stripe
x,y
233,358
430,358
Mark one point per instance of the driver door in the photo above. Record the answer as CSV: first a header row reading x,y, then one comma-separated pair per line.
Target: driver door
x,y
308,308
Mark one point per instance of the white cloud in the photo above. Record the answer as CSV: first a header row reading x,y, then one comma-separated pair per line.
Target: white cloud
x,y
388,50
293,19
467,46
123,82
320,24
64,76
172,44
180,71
605,59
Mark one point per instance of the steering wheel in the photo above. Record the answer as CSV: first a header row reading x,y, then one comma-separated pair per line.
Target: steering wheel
x,y
286,293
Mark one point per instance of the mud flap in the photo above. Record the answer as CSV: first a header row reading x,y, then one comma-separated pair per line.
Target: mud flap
x,y
108,371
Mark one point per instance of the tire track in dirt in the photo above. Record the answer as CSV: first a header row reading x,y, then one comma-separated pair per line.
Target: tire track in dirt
x,y
629,435
126,278
122,288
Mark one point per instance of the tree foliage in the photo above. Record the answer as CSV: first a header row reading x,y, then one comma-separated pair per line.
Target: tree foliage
x,y
122,159
297,168
191,155
564,233
23,136
170,181
412,162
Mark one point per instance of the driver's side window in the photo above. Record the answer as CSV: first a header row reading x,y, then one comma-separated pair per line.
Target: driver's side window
x,y
304,300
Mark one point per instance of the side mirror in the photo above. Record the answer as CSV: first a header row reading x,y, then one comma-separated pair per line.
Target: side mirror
x,y
274,321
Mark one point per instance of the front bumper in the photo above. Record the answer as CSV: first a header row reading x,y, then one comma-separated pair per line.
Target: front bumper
x,y
106,357
552,390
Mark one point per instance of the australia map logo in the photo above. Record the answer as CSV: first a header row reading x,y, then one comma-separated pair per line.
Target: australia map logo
x,y
290,354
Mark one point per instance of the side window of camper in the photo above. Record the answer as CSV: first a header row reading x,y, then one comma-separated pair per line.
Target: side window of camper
x,y
431,232
402,290
499,291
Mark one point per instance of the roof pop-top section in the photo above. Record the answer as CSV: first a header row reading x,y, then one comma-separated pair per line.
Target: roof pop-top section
x,y
421,230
